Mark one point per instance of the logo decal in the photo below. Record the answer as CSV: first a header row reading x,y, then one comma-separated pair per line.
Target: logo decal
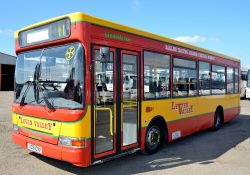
x,y
183,108
116,37
37,124
70,53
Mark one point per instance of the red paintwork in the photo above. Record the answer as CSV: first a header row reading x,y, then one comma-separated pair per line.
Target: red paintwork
x,y
78,157
195,124
138,43
190,125
129,146
230,114
181,125
143,136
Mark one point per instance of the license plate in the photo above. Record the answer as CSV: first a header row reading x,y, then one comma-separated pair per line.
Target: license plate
x,y
35,148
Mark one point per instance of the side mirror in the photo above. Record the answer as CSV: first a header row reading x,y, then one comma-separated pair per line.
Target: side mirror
x,y
104,54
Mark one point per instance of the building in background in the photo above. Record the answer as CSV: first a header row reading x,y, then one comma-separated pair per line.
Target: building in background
x,y
7,71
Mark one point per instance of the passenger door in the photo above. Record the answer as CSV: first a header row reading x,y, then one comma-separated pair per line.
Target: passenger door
x,y
114,103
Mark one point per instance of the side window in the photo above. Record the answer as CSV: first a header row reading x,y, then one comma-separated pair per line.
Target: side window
x,y
184,78
156,75
236,80
204,78
218,80
230,80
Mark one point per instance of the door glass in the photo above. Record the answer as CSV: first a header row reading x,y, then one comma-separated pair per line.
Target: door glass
x,y
104,104
129,100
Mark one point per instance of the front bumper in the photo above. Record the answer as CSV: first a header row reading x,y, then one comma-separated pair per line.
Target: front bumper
x,y
76,156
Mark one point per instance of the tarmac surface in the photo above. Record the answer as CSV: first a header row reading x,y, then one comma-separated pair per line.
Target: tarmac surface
x,y
226,151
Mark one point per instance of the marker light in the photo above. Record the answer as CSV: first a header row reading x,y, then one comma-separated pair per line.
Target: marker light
x,y
72,142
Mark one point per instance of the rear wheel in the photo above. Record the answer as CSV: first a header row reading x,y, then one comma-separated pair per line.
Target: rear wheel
x,y
153,139
218,120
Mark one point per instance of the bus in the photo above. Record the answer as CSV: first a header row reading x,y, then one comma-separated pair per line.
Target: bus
x,y
157,89
245,83
248,85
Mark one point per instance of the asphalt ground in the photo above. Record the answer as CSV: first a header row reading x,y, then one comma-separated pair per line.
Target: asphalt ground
x,y
226,151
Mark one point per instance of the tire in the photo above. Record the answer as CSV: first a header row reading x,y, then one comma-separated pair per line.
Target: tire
x,y
153,139
218,120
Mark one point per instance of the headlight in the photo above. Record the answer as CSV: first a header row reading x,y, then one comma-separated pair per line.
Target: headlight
x,y
16,128
72,142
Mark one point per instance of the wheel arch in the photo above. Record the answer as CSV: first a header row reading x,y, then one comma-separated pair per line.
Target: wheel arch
x,y
220,109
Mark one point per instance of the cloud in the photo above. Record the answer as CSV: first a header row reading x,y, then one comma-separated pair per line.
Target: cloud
x,y
6,32
192,39
135,4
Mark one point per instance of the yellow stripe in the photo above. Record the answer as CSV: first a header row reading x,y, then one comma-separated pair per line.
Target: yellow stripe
x,y
78,16
40,125
183,108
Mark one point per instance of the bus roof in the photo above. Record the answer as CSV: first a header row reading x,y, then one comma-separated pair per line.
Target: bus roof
x,y
82,17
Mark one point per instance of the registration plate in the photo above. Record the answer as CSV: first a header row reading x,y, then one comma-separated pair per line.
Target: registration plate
x,y
35,148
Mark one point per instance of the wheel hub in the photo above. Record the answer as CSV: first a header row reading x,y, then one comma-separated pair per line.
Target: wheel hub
x,y
153,137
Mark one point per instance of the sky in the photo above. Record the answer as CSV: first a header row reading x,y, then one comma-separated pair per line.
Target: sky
x,y
218,25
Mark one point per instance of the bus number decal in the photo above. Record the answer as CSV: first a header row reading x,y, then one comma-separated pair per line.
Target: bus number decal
x,y
176,134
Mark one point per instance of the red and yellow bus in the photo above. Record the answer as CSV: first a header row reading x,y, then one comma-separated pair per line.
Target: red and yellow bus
x,y
89,90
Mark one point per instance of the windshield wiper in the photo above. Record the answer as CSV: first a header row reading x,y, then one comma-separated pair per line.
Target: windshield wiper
x,y
38,88
48,104
29,83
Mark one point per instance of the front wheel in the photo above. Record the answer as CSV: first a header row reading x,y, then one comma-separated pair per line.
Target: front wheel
x,y
153,139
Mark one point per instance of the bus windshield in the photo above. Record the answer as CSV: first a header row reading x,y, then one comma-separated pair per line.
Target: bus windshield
x,y
60,78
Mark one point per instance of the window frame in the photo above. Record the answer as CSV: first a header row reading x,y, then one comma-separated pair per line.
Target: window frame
x,y
183,67
238,83
197,69
170,74
225,74
210,78
229,67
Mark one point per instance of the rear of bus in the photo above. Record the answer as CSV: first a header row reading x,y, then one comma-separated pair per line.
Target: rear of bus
x,y
50,112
